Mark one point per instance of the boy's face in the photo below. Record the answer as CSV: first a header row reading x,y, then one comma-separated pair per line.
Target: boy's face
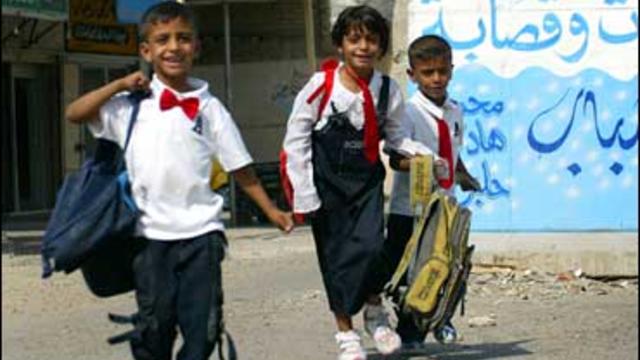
x,y
432,77
170,47
360,49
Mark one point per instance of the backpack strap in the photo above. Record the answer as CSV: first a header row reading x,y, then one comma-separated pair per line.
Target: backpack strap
x,y
408,251
232,353
421,198
383,99
224,336
329,67
122,319
135,98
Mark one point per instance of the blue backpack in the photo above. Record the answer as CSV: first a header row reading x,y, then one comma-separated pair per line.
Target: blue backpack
x,y
93,220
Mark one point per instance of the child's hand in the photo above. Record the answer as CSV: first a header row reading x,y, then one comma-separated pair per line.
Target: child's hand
x,y
135,81
441,168
283,220
467,182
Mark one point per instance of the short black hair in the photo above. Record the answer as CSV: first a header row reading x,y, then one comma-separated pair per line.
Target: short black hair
x,y
361,16
428,47
163,12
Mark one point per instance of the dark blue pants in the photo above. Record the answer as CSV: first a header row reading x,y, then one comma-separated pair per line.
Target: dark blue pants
x,y
178,285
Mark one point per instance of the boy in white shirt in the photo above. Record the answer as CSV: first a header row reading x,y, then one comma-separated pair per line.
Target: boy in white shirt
x,y
179,128
434,120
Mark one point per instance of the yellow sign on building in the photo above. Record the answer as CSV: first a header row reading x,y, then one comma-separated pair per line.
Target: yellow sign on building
x,y
93,27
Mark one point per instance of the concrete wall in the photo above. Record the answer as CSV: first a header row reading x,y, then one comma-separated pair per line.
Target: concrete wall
x,y
269,65
263,93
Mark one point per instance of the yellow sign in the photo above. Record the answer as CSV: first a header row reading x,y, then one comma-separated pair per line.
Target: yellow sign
x,y
93,27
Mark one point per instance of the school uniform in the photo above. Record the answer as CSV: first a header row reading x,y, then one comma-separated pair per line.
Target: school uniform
x,y
420,123
339,187
177,273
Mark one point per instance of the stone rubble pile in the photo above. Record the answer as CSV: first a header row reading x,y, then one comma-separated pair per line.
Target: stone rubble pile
x,y
533,284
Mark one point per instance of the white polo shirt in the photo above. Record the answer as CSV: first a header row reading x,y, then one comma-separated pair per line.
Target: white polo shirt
x,y
169,159
420,124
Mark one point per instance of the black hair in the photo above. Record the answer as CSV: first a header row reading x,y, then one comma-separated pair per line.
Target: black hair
x,y
163,12
362,16
428,47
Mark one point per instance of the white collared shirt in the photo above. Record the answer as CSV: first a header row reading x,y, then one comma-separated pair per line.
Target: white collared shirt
x,y
304,119
169,160
420,123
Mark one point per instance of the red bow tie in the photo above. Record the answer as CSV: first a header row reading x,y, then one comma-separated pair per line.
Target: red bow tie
x,y
189,105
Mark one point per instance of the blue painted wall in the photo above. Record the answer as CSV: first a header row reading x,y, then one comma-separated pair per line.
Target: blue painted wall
x,y
550,96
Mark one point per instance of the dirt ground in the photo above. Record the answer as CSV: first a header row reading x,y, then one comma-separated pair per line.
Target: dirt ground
x,y
276,310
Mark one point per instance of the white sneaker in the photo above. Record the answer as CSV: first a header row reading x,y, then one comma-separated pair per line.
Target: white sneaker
x,y
446,334
376,323
350,346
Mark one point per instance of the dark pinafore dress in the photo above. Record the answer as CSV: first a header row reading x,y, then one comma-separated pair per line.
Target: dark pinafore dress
x,y
348,228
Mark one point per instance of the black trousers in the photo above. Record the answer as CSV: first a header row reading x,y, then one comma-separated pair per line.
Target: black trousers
x,y
399,230
178,284
348,240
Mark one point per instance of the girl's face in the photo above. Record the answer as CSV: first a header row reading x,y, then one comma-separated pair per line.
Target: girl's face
x,y
360,50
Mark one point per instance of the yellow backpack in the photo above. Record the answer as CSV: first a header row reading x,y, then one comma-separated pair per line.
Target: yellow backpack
x,y
218,177
437,258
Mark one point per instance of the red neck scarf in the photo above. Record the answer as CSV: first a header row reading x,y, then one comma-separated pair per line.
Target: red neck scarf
x,y
371,138
445,150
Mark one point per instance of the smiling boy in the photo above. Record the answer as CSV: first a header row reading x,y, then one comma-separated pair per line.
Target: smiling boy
x,y
179,129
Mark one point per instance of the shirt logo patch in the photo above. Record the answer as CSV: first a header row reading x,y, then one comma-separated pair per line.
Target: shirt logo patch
x,y
197,127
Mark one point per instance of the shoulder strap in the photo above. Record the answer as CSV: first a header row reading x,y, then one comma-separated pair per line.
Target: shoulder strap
x,y
135,97
383,100
329,67
410,248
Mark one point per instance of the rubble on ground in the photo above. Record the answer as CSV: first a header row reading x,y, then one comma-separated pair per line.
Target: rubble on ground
x,y
528,284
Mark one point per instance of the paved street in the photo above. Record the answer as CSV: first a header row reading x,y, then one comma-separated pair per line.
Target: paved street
x,y
276,309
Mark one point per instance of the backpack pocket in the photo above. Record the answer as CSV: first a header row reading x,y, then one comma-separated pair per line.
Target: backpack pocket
x,y
424,292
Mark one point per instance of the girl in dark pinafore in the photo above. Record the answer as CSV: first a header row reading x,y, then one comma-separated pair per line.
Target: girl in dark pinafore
x,y
332,161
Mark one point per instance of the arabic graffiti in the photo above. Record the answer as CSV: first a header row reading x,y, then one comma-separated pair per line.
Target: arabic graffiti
x,y
482,142
496,140
588,110
473,106
550,102
536,37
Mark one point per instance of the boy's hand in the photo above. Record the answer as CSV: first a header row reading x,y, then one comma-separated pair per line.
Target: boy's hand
x,y
467,182
87,107
465,179
135,81
440,168
283,220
